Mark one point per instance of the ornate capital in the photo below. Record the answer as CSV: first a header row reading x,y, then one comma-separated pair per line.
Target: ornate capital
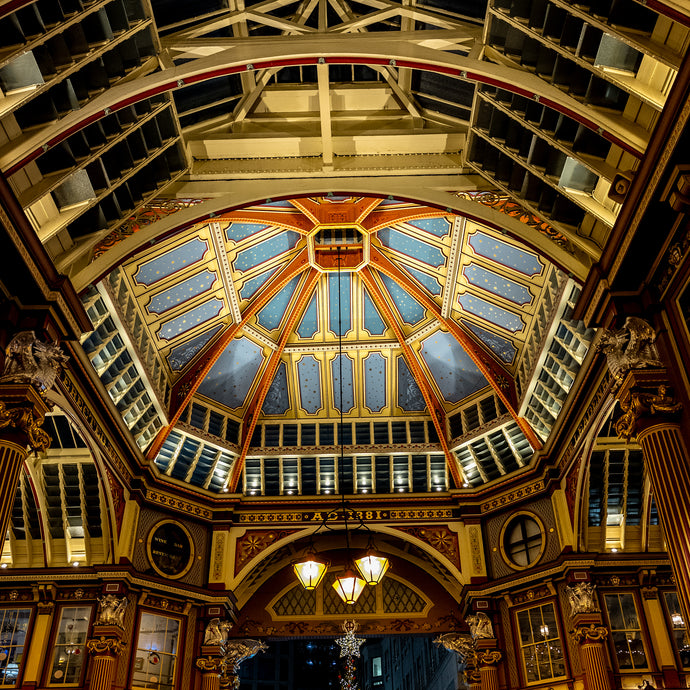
x,y
637,403
23,419
489,657
106,645
590,633
209,664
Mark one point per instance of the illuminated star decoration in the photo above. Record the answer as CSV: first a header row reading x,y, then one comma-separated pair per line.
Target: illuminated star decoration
x,y
349,644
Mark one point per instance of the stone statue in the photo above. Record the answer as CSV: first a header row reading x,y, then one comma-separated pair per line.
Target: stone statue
x,y
216,632
581,597
29,360
111,610
630,347
462,645
480,626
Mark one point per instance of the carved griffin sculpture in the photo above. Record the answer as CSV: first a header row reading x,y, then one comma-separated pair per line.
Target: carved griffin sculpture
x,y
630,347
30,360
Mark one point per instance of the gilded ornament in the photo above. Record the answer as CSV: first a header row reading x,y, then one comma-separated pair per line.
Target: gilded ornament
x,y
582,598
480,626
105,645
22,418
590,633
111,610
639,404
209,664
630,347
489,657
28,360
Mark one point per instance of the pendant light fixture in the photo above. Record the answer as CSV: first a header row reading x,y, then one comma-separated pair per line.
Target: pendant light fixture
x,y
371,567
310,569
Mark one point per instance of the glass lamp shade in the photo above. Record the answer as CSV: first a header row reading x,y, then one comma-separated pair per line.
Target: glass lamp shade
x,y
372,567
349,586
310,570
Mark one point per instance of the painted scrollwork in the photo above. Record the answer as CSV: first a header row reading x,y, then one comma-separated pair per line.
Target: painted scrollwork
x,y
590,633
22,419
582,598
105,645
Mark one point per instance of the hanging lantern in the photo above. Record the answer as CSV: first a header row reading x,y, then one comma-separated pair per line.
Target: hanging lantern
x,y
349,586
310,570
372,567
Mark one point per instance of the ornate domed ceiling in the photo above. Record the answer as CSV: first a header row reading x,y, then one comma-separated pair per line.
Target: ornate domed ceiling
x,y
243,319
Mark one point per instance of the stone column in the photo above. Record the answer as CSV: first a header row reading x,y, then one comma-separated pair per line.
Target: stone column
x,y
590,635
650,415
105,647
22,410
210,664
488,658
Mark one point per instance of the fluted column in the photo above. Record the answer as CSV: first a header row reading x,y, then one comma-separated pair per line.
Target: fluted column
x,y
210,664
651,416
590,635
105,648
488,660
22,410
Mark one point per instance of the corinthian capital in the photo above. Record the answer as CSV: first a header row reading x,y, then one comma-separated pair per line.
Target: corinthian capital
x,y
590,633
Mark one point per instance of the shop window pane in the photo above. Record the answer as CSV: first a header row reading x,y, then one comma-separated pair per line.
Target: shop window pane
x,y
13,626
626,632
154,665
542,650
70,645
679,631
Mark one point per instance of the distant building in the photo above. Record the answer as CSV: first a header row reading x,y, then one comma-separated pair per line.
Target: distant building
x,y
406,662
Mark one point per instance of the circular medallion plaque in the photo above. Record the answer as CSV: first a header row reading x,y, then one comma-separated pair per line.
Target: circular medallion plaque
x,y
170,549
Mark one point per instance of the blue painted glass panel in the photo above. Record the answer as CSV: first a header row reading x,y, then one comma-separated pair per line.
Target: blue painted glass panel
x,y
505,254
348,395
310,321
171,262
268,249
186,290
410,396
436,226
248,290
501,346
504,287
232,375
493,314
372,319
375,382
238,231
410,246
334,314
309,374
272,314
455,373
429,282
277,399
190,319
410,309
180,355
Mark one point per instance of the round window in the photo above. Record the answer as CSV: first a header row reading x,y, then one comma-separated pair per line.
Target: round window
x,y
523,541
